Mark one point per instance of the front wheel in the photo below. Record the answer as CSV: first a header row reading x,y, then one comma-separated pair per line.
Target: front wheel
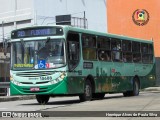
x,y
42,99
87,95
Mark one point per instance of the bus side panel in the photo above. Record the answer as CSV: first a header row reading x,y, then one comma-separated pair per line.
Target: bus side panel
x,y
113,77
75,85
150,79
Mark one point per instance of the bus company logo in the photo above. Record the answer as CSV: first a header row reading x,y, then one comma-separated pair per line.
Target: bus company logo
x,y
140,17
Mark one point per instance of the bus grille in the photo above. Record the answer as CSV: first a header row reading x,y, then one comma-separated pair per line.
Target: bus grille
x,y
31,83
35,74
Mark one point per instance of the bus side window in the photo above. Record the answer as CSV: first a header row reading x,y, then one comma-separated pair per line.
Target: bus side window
x,y
104,55
147,53
136,52
104,52
127,57
89,47
137,57
144,48
126,49
116,49
150,51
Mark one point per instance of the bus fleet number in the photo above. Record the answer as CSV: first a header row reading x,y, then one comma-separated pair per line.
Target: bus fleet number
x,y
46,78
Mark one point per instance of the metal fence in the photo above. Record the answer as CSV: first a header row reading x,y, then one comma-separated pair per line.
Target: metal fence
x,y
4,84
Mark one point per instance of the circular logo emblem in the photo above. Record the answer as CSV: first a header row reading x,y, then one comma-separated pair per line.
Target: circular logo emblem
x,y
140,17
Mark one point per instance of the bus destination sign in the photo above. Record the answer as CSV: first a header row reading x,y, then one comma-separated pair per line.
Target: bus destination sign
x,y
36,32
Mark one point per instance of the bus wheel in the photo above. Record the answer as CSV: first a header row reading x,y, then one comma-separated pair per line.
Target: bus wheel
x,y
98,95
42,99
87,95
135,91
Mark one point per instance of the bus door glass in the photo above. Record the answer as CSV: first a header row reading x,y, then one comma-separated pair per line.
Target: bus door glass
x,y
73,50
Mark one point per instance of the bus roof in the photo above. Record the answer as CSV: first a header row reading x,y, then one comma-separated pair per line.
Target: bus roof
x,y
107,34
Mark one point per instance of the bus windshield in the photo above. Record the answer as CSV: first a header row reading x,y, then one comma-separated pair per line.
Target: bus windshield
x,y
40,54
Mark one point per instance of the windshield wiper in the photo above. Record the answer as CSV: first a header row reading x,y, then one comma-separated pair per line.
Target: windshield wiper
x,y
48,39
19,59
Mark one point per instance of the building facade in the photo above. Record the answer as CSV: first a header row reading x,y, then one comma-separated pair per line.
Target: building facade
x,y
138,18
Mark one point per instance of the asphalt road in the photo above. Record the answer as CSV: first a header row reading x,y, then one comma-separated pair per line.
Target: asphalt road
x,y
146,104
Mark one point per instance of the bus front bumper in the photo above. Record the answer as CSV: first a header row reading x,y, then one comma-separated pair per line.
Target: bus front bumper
x,y
59,88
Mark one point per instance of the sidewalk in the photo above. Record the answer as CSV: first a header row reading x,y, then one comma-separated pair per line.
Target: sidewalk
x,y
27,97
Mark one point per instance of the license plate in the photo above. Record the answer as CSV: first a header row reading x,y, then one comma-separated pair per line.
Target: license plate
x,y
34,89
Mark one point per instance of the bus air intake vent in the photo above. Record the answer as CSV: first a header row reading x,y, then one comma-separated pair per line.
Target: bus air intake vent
x,y
26,82
42,82
34,74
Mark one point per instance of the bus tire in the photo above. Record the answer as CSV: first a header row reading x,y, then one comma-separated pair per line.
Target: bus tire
x,y
87,95
42,99
135,91
136,85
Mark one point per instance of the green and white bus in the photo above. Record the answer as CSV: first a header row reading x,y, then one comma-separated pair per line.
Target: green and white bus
x,y
49,61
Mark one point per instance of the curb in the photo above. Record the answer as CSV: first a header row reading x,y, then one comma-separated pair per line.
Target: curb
x,y
152,89
14,98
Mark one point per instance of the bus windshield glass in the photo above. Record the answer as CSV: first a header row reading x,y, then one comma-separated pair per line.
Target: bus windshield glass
x,y
41,54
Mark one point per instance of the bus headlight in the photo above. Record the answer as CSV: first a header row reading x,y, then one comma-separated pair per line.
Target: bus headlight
x,y
60,78
151,77
11,78
62,75
14,81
